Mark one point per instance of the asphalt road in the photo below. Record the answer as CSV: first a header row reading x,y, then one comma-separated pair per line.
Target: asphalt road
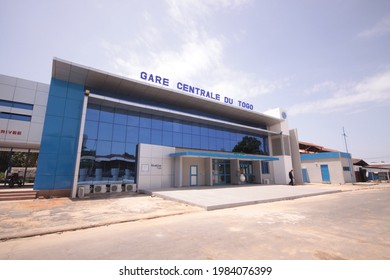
x,y
348,225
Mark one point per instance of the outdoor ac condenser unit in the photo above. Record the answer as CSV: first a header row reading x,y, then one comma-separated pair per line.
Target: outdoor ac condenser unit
x,y
116,188
129,188
99,188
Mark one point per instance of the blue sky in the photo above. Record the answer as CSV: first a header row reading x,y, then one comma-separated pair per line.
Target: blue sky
x,y
326,62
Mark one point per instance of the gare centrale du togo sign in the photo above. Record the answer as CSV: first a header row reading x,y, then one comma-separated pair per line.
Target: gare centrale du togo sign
x,y
194,90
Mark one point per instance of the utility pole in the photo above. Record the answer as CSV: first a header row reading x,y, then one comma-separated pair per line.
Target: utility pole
x,y
350,159
345,139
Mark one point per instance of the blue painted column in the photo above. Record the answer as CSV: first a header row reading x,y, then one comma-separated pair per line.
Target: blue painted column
x,y
60,138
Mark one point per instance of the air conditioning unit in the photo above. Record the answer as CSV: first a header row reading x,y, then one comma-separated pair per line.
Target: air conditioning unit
x,y
266,181
87,189
129,187
80,192
116,188
99,188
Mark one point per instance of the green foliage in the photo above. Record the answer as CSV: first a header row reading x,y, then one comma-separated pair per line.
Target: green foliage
x,y
248,145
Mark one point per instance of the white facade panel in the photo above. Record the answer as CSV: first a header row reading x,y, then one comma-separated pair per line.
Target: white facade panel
x,y
38,120
39,111
41,98
17,131
21,111
24,95
282,167
5,109
22,83
155,167
7,80
43,88
166,181
3,129
7,92
35,133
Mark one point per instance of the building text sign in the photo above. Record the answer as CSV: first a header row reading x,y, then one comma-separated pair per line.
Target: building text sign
x,y
10,132
194,90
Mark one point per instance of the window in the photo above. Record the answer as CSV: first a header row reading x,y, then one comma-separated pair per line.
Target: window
x,y
93,113
265,167
346,168
133,119
145,120
119,133
91,129
120,117
132,134
157,123
18,117
107,115
105,131
14,104
167,138
168,124
144,135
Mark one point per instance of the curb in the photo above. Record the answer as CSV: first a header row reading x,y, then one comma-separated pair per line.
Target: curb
x,y
76,228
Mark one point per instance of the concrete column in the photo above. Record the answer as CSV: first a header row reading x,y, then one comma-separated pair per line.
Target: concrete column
x,y
80,145
178,172
234,169
296,157
257,171
208,172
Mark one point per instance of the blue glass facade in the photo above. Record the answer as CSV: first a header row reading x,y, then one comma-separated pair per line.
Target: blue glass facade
x,y
57,156
111,136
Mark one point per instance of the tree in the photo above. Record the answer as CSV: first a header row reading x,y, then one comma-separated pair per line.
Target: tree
x,y
248,145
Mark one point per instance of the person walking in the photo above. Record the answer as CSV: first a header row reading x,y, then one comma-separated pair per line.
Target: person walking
x,y
291,176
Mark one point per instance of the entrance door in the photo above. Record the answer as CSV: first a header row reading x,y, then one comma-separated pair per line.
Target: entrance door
x,y
221,172
325,173
305,175
247,169
193,175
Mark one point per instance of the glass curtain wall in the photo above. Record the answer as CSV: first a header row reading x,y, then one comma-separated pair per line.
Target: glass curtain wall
x,y
111,137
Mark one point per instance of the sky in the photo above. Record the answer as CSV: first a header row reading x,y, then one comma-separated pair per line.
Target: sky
x,y
326,62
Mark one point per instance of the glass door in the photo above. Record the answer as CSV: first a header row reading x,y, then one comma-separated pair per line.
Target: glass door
x,y
221,172
246,168
193,175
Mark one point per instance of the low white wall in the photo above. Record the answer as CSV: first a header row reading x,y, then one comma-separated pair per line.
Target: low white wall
x,y
155,167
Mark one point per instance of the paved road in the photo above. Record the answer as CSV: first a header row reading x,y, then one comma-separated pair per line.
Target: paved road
x,y
348,225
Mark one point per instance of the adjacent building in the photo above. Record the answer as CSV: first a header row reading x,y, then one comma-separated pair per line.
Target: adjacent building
x,y
327,168
22,115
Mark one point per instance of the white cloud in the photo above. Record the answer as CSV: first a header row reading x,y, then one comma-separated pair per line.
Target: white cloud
x,y
195,57
190,11
379,29
358,96
322,87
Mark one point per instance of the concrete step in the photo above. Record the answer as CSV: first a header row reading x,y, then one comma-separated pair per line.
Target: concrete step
x,y
9,195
